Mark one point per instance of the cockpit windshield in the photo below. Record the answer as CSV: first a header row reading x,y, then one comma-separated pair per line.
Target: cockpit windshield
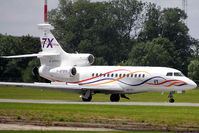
x,y
177,74
169,74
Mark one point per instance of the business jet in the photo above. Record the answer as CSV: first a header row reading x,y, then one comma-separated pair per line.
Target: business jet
x,y
74,73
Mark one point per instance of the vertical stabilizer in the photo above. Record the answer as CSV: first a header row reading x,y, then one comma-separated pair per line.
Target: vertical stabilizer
x,y
49,45
48,41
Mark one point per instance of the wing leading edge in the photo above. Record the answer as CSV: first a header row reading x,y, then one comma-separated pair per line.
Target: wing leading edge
x,y
71,88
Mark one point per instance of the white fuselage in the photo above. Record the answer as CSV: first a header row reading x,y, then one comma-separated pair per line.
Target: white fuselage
x,y
130,79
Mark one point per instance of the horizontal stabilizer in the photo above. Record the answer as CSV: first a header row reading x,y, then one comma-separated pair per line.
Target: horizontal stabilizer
x,y
42,54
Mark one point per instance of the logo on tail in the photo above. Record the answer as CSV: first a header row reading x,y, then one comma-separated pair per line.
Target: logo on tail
x,y
50,44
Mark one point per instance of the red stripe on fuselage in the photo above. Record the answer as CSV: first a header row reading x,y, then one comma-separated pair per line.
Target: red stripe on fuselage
x,y
166,82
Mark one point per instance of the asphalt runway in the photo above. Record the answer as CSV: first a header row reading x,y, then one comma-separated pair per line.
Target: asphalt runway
x,y
100,103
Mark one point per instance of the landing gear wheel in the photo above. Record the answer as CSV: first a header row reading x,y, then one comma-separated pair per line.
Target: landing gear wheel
x,y
171,97
115,97
87,99
171,100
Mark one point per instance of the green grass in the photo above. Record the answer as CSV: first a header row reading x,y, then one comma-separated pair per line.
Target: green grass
x,y
191,96
153,115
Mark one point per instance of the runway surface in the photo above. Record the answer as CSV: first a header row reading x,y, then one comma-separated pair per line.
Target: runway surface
x,y
54,128
100,103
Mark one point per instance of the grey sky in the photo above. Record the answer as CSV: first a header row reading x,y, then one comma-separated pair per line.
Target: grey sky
x,y
20,17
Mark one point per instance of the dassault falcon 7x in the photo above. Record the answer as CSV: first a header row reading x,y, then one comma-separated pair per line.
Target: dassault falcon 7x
x,y
74,73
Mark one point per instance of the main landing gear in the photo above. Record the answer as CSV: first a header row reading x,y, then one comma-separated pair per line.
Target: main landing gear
x,y
171,97
87,96
116,97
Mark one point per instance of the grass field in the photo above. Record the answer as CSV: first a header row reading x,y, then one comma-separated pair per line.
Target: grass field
x,y
191,96
106,114
183,117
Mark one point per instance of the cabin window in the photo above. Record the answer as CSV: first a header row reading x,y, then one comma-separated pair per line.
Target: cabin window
x,y
120,75
143,75
139,75
96,74
135,75
169,74
116,75
112,75
127,75
131,75
123,75
100,74
104,74
107,75
93,75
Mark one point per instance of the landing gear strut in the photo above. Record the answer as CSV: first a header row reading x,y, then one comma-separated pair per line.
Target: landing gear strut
x,y
124,96
87,96
87,99
171,97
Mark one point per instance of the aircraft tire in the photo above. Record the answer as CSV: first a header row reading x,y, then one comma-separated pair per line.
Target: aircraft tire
x,y
115,97
87,99
171,100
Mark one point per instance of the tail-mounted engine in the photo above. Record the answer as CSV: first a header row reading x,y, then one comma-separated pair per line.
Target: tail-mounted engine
x,y
35,71
82,59
63,72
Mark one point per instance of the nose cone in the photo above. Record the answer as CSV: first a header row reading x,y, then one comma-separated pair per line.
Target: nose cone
x,y
192,84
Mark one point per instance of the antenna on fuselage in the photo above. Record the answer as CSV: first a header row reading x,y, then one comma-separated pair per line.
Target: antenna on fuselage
x,y
45,11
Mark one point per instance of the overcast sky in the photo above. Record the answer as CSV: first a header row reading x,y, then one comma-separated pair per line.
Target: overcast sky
x,y
20,17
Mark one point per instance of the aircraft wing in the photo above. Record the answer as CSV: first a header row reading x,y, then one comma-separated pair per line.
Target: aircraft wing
x,y
71,88
41,54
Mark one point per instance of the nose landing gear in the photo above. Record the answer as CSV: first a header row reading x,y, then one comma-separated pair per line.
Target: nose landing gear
x,y
171,97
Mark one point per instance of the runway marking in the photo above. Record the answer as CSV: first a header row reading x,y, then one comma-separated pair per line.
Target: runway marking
x,y
100,103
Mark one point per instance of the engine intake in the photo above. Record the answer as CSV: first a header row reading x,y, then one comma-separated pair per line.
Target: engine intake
x,y
91,59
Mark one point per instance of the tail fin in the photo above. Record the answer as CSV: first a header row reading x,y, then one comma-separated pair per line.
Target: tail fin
x,y
48,41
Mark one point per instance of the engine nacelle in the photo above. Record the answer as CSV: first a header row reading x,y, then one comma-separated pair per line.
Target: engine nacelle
x,y
63,72
82,59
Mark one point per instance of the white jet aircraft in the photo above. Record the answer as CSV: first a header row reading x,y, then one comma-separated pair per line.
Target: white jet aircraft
x,y
74,73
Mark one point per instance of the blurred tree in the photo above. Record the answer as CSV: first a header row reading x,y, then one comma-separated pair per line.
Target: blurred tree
x,y
11,69
152,53
152,24
102,28
169,23
194,70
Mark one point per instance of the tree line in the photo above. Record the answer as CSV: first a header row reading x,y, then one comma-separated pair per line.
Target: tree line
x,y
117,32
